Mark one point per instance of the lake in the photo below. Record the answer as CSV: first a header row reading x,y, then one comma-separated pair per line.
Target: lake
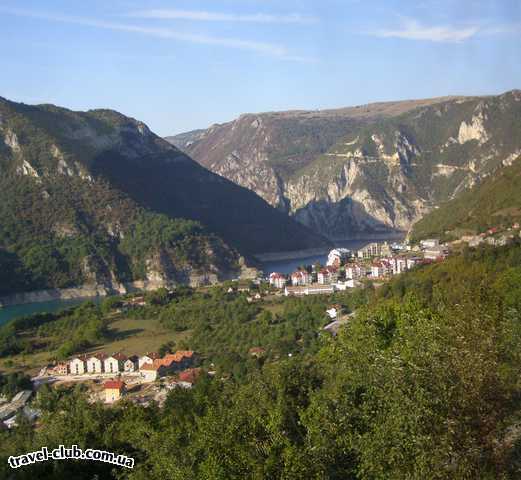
x,y
16,311
289,266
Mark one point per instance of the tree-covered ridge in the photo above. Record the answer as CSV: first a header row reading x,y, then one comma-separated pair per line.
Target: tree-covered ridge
x,y
49,141
423,382
495,202
66,231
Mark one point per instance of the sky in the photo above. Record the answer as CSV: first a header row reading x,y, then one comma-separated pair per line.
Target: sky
x,y
179,65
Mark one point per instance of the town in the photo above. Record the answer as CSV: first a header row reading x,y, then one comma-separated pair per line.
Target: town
x,y
348,269
378,262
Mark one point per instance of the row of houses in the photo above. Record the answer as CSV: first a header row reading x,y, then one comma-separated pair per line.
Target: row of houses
x,y
118,363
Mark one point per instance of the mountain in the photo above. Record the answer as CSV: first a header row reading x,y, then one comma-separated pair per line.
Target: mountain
x,y
494,202
376,168
95,197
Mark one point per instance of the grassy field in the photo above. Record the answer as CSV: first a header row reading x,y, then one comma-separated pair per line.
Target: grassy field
x,y
126,335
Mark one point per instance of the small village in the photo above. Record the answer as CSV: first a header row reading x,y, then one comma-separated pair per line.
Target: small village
x,y
379,261
348,269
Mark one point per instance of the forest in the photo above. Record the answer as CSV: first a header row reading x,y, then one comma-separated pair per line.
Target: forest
x,y
422,382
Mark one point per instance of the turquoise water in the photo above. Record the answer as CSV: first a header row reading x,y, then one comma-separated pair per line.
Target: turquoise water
x,y
16,311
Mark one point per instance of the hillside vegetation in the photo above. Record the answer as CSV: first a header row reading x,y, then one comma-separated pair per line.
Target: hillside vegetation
x,y
96,198
423,382
496,202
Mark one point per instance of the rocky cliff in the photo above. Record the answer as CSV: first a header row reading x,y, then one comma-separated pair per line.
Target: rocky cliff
x,y
95,198
368,169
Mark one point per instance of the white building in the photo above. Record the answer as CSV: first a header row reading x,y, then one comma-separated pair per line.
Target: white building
x,y
277,280
430,243
78,366
131,364
115,363
338,256
300,277
95,363
149,357
378,270
355,270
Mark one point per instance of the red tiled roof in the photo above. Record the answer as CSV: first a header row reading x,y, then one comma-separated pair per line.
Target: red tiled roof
x,y
113,385
149,366
119,356
190,375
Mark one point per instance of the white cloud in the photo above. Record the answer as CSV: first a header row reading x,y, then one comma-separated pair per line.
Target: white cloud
x,y
265,48
205,16
414,30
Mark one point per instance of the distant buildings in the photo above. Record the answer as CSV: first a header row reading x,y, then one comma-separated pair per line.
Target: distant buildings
x,y
338,257
300,277
278,280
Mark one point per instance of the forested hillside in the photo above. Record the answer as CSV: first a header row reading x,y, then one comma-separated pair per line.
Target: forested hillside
x,y
423,382
496,202
356,171
95,197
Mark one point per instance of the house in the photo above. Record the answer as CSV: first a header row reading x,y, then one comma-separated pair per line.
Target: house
x,y
131,364
429,243
277,280
327,275
78,365
374,250
300,277
338,256
114,390
257,352
190,375
333,311
115,363
95,363
355,270
149,372
352,283
435,253
412,261
378,270
62,368
149,357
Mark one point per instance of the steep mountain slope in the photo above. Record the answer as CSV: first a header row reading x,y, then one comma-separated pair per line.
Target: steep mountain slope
x,y
261,151
495,202
96,197
385,171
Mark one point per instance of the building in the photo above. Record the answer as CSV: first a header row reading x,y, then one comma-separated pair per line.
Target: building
x,y
257,352
115,363
374,250
355,270
149,357
278,280
430,243
131,364
62,368
309,290
327,275
190,375
78,365
114,390
300,277
435,253
149,372
338,257
95,363
378,269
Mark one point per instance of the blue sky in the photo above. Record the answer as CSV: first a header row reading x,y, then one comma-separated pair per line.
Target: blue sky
x,y
185,64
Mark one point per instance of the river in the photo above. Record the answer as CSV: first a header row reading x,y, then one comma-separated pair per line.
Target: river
x,y
16,311
290,265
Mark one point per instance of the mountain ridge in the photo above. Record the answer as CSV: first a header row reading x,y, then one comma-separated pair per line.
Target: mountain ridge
x,y
353,175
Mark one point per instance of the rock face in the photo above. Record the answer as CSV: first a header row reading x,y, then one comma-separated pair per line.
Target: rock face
x,y
344,174
95,198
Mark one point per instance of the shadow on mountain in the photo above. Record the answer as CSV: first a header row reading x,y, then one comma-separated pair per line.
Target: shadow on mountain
x,y
177,186
345,219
